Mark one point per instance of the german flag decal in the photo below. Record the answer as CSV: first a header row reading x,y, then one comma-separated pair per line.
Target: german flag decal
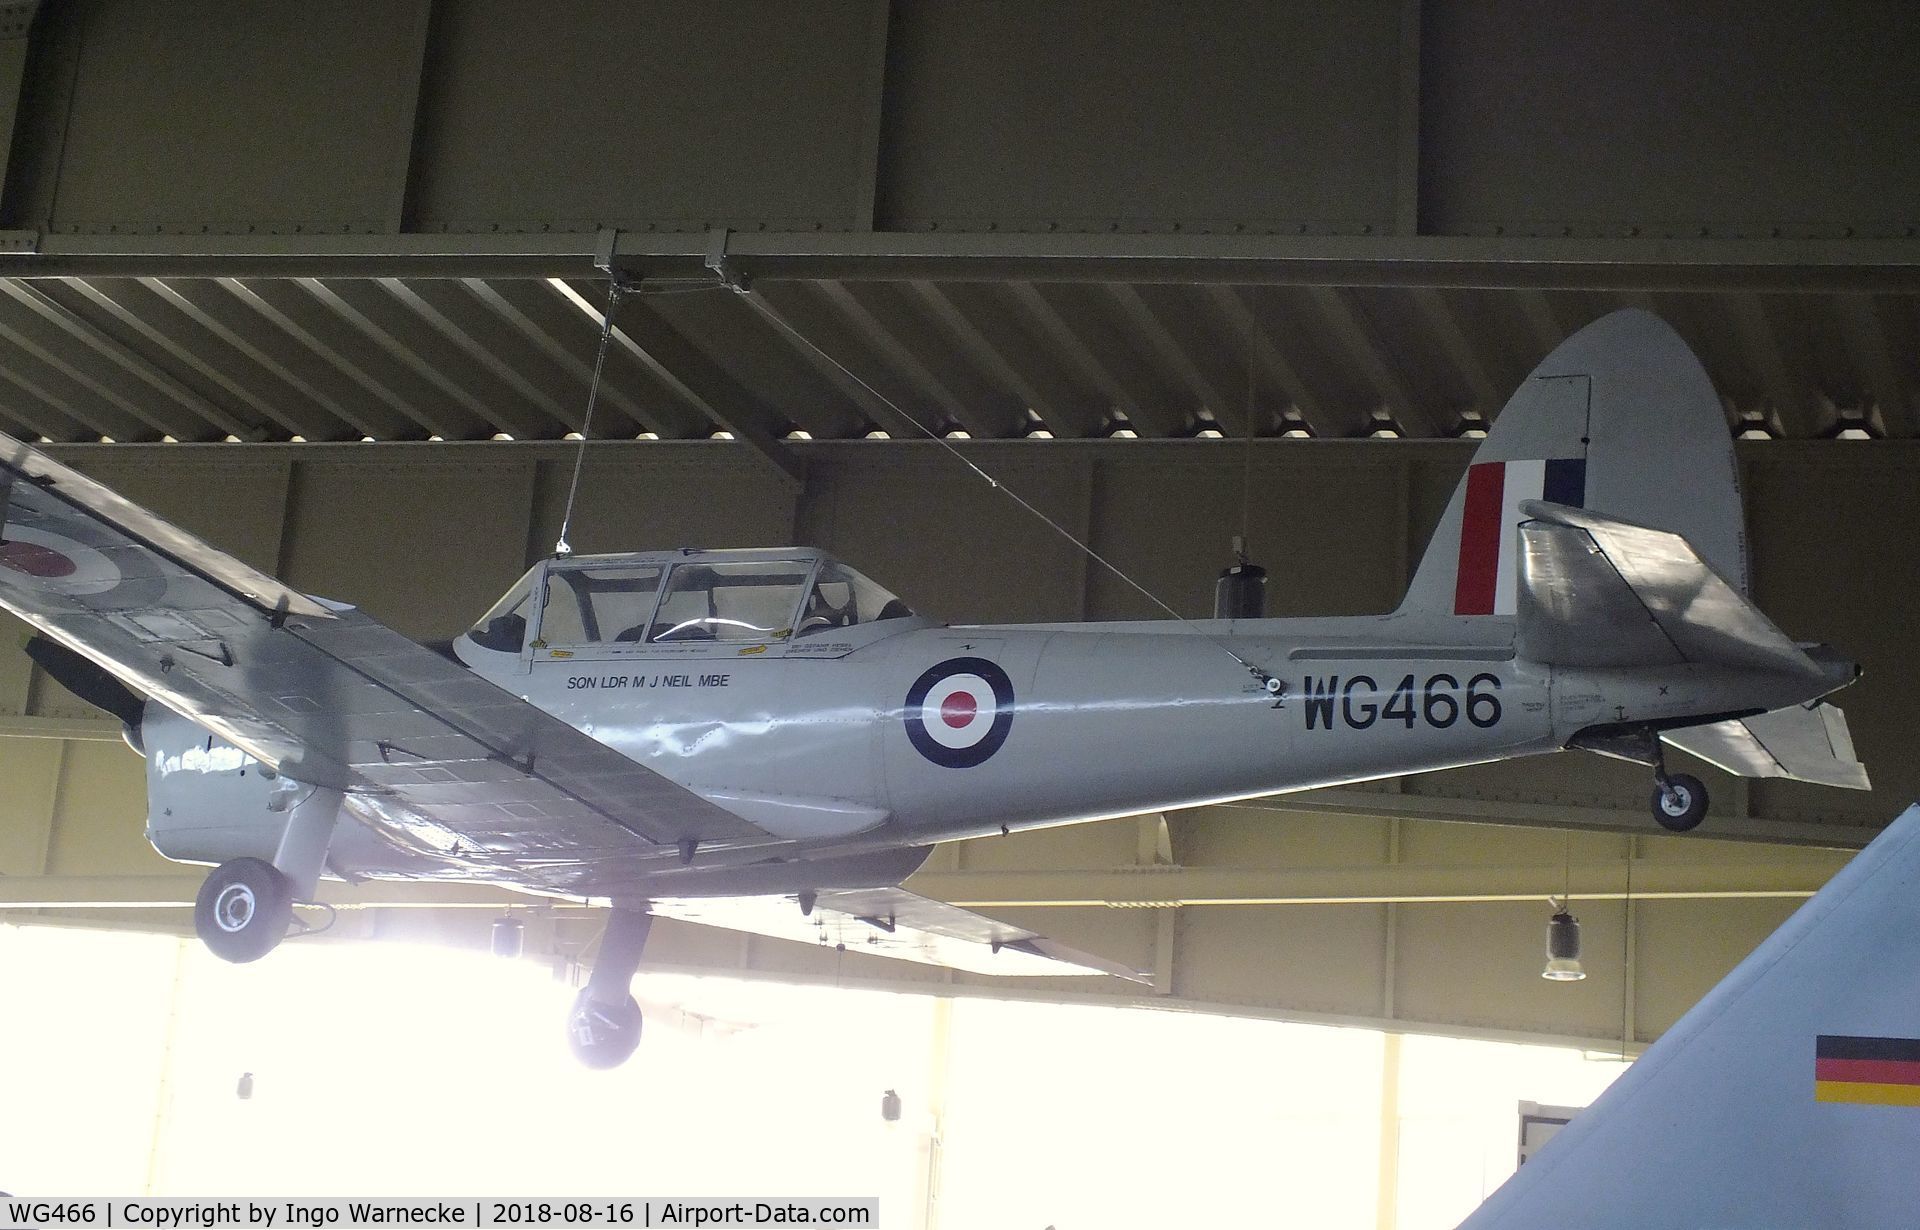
x,y
1879,1071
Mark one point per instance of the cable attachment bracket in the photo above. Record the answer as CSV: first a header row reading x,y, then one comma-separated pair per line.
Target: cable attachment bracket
x,y
721,265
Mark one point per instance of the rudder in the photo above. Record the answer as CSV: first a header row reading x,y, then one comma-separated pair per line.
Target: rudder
x,y
1620,419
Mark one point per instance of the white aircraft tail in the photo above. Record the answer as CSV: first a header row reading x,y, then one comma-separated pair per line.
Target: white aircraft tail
x,y
1789,1097
1620,420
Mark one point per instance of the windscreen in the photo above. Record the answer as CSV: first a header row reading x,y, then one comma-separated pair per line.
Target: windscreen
x,y
503,628
730,601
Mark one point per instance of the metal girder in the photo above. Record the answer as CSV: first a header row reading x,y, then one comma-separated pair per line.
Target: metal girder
x,y
1313,409
1440,319
1377,884
1865,334
520,311
116,353
1358,345
1063,338
1225,408
168,343
1761,343
1504,262
899,356
1380,805
704,384
789,319
114,414
421,412
993,348
190,300
557,418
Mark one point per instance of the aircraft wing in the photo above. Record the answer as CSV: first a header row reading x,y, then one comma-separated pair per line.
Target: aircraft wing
x,y
440,760
1599,591
892,922
1804,743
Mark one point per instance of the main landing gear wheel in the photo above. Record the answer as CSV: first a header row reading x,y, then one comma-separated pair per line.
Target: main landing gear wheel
x,y
243,909
1680,803
603,1035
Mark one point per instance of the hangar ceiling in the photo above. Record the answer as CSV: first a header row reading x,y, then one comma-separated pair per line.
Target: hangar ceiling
x,y
145,358
1073,232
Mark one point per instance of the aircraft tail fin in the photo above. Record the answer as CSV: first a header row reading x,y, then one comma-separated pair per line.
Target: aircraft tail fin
x,y
1621,420
1802,743
1789,1096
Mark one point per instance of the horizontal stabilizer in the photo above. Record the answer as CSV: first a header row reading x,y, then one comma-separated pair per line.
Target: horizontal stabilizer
x,y
1596,591
892,922
1803,743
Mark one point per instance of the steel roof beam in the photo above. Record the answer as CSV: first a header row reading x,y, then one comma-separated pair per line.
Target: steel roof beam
x,y
90,335
559,419
407,357
168,343
1313,410
637,416
186,297
1337,311
1865,333
1220,404
1793,266
992,356
110,413
1761,344
788,321
1041,312
904,361
1439,317
705,385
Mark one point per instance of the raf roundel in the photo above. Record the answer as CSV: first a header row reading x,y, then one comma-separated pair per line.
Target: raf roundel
x,y
62,564
959,712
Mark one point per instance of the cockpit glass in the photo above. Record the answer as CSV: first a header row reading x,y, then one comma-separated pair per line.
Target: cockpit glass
x,y
503,628
842,598
591,606
732,601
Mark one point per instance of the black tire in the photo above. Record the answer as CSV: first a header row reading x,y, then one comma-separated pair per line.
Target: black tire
x,y
601,1034
243,910
1680,804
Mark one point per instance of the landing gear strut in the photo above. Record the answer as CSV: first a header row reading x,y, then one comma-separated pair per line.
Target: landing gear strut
x,y
603,1029
245,906
1679,799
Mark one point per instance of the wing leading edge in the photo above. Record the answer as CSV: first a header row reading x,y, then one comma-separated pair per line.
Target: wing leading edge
x,y
438,759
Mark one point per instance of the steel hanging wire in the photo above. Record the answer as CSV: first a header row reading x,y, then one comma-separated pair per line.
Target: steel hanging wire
x,y
616,288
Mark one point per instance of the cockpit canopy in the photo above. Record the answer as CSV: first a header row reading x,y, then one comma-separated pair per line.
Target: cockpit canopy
x,y
664,597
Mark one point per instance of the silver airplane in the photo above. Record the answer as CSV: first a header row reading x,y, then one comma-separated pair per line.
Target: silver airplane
x,y
768,740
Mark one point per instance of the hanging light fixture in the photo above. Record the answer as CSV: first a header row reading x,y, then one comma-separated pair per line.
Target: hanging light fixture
x,y
1563,946
1563,929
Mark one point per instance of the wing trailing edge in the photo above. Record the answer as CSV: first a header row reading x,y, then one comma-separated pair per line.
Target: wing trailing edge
x,y
892,922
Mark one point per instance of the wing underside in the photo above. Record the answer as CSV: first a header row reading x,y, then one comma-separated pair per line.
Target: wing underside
x,y
892,922
440,761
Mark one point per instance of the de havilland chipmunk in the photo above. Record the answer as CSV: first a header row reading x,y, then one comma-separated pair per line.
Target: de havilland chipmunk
x,y
767,740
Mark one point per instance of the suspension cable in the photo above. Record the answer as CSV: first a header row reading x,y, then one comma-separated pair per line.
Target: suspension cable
x,y
616,287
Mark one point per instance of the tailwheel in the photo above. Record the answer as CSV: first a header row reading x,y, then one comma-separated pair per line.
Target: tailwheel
x,y
603,1034
1679,802
243,909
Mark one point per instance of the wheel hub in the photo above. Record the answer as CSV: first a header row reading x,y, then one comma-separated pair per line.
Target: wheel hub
x,y
233,909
